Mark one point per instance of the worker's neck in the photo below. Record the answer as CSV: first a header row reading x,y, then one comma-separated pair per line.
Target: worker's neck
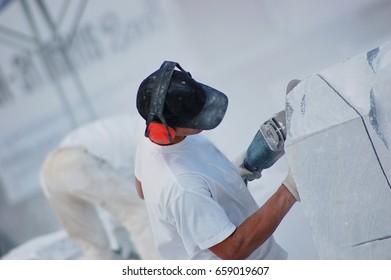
x,y
176,140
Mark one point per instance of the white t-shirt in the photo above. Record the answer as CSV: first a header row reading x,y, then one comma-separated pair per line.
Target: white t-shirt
x,y
112,139
195,198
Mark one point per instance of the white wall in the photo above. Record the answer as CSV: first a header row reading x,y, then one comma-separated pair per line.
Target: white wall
x,y
247,49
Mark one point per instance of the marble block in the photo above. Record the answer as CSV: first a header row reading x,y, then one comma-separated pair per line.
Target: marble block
x,y
338,148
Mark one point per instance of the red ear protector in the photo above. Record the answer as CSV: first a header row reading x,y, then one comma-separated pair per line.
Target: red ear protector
x,y
157,129
158,133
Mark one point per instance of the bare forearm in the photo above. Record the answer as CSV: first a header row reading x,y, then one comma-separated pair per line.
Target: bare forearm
x,y
254,231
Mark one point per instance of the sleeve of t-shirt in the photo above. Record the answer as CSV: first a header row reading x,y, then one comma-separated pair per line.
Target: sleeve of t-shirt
x,y
199,219
137,171
140,137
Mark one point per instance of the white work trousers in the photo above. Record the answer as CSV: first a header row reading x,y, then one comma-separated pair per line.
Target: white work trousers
x,y
75,182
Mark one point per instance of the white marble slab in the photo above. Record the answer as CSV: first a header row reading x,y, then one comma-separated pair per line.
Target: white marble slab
x,y
338,149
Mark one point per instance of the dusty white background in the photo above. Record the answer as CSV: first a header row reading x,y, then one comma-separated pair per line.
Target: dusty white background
x,y
248,49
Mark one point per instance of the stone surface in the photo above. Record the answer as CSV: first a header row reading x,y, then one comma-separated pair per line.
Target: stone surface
x,y
58,246
53,246
338,148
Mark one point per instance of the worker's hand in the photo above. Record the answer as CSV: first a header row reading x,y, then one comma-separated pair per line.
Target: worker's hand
x,y
290,184
246,175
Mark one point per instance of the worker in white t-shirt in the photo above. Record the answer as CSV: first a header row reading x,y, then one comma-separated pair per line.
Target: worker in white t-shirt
x,y
92,169
198,203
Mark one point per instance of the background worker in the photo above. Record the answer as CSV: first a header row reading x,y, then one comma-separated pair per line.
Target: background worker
x,y
94,167
200,207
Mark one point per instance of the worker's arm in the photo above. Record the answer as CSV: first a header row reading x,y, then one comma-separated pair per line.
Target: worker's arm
x,y
139,188
254,231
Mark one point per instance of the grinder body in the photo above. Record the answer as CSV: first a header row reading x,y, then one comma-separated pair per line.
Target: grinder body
x,y
268,144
